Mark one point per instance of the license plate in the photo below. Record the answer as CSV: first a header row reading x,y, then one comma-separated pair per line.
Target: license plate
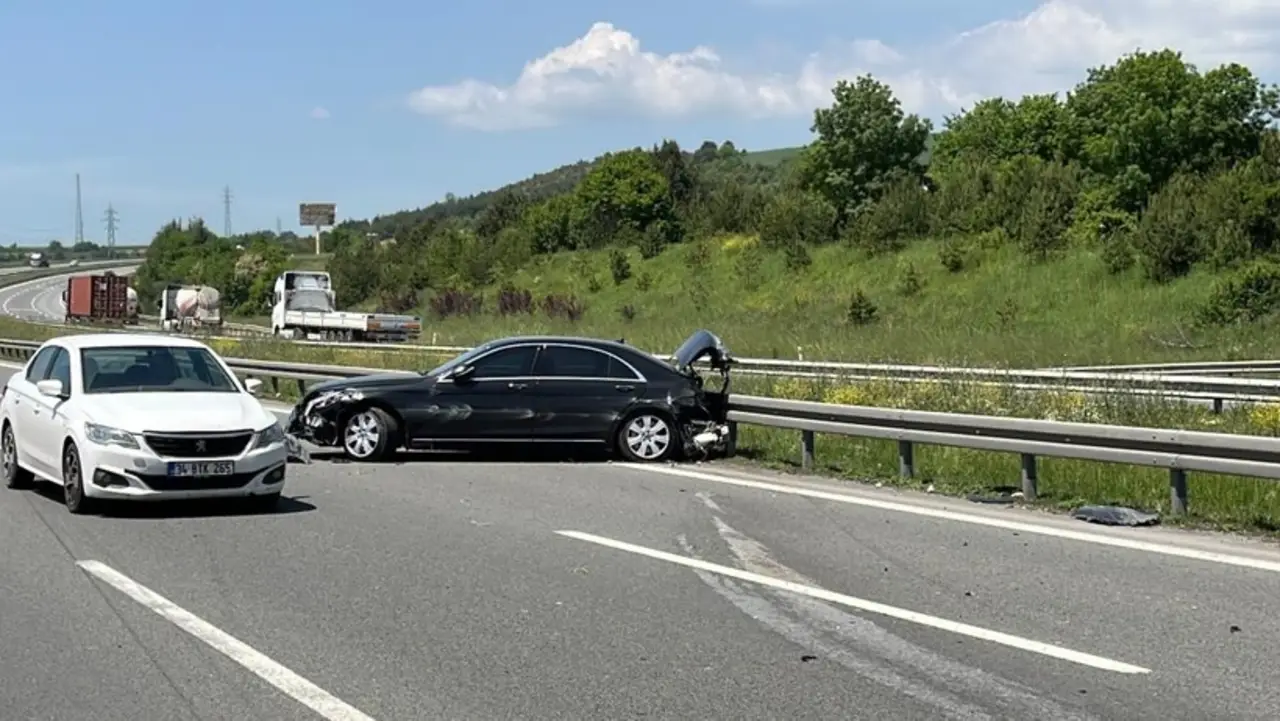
x,y
200,469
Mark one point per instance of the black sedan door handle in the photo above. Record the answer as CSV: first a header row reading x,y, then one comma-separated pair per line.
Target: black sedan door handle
x,y
517,386
624,388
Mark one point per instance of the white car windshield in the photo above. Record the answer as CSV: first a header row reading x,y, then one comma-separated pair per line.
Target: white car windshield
x,y
153,369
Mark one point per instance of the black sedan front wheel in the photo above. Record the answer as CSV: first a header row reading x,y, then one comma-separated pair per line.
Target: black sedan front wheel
x,y
369,435
647,437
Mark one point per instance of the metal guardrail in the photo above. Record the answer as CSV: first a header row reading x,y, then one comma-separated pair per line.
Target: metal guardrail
x,y
1216,391
1217,368
1177,451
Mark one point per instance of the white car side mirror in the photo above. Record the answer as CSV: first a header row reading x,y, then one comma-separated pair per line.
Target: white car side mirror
x,y
50,387
253,385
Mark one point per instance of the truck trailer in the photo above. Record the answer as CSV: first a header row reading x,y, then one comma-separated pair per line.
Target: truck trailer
x,y
100,298
304,306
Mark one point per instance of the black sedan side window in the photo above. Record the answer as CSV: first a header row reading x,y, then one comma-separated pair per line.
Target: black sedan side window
x,y
567,362
507,363
572,362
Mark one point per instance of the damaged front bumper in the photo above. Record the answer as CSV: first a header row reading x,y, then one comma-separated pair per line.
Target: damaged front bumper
x,y
314,420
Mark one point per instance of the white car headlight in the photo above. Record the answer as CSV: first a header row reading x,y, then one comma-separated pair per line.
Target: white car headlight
x,y
270,435
108,436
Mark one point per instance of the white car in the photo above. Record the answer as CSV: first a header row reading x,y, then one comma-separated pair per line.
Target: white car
x,y
138,417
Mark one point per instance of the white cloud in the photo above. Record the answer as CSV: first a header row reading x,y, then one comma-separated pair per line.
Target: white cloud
x,y
319,113
606,71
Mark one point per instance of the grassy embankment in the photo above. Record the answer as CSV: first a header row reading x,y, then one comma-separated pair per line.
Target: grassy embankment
x,y
1000,310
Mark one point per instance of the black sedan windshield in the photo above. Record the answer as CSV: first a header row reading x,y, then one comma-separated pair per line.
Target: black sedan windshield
x,y
458,360
154,369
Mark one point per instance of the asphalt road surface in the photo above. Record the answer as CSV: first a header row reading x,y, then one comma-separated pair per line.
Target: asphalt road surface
x,y
441,587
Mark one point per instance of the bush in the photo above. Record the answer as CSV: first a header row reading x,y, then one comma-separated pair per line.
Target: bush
x,y
1247,295
563,307
456,302
512,301
909,281
1046,211
861,310
952,255
619,266
1168,237
794,219
900,215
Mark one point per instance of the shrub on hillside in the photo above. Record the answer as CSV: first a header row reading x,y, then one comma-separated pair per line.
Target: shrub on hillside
x,y
910,281
952,255
1044,212
449,302
513,301
619,266
1168,237
1249,294
795,218
563,307
396,301
861,309
900,215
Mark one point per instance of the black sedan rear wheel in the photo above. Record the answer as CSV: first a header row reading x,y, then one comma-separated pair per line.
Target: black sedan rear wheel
x,y
647,437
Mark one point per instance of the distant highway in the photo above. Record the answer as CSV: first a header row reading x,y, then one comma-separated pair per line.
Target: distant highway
x,y
40,300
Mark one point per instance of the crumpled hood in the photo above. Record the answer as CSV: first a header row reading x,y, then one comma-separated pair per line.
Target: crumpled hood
x,y
702,343
372,380
139,412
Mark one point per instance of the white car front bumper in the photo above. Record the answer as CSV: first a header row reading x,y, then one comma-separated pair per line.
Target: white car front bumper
x,y
139,474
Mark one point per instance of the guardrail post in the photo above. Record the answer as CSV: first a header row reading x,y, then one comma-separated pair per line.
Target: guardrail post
x,y
302,388
1177,491
806,449
1029,477
1217,405
731,443
275,386
906,459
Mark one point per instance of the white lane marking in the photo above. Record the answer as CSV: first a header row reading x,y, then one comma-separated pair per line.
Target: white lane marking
x,y
296,687
1165,549
941,624
8,290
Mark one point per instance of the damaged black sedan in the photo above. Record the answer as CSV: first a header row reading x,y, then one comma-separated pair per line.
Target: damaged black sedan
x,y
546,390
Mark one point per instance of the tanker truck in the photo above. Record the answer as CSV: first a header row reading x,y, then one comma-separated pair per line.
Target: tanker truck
x,y
184,307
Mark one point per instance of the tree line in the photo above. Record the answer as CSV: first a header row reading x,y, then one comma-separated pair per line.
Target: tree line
x,y
1151,162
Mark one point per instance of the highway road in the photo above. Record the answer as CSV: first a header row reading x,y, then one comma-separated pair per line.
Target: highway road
x,y
447,588
39,300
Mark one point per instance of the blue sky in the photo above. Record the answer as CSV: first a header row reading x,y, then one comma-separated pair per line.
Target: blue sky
x,y
160,104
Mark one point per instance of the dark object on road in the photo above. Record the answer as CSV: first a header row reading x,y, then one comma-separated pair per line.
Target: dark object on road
x,y
1115,516
544,390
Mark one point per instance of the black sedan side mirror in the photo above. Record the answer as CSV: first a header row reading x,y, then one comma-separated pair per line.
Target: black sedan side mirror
x,y
461,373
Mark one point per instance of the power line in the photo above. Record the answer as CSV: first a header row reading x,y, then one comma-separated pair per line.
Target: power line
x,y
113,220
79,214
226,211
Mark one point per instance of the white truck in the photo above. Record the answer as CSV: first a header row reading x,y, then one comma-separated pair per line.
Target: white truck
x,y
304,306
185,307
